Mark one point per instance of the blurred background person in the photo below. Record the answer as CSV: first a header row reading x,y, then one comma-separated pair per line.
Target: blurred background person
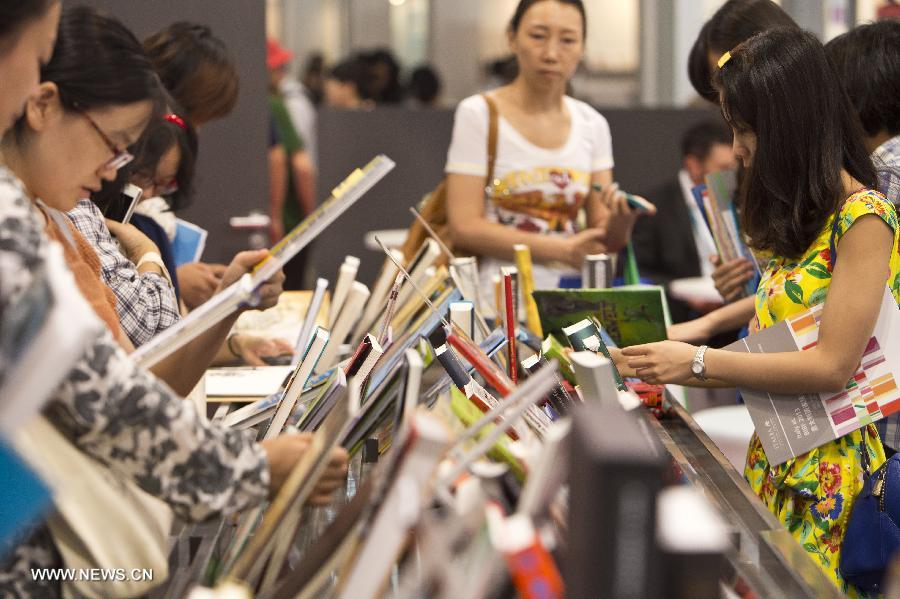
x,y
313,77
380,77
677,243
199,72
424,87
343,86
299,198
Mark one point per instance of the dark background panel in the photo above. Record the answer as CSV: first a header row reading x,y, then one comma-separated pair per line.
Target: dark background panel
x,y
646,148
231,173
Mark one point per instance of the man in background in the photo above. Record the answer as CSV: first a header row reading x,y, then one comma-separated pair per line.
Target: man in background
x,y
676,243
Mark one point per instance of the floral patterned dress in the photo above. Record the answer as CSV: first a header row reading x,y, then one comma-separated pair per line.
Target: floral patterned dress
x,y
812,494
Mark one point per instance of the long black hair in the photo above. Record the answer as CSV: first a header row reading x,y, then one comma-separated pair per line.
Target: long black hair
x,y
867,60
15,14
160,136
524,5
780,86
734,22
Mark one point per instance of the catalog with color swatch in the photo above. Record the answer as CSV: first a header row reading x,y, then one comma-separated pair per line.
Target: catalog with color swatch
x,y
791,425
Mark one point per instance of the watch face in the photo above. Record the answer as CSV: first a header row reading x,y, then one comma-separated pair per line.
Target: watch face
x,y
696,368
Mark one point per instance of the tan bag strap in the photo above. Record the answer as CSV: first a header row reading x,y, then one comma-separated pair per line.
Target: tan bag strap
x,y
493,127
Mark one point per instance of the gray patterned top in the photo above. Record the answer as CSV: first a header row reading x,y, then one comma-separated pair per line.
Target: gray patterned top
x,y
123,417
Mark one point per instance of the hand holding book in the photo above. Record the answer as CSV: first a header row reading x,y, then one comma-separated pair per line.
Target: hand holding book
x,y
283,453
731,277
243,263
661,362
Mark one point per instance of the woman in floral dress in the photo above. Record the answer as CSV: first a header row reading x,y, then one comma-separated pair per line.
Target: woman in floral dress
x,y
809,211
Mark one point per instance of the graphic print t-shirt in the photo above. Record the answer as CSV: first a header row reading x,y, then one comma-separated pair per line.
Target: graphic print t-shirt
x,y
535,189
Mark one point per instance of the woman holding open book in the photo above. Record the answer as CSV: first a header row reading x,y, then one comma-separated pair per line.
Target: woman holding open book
x,y
550,150
808,205
122,417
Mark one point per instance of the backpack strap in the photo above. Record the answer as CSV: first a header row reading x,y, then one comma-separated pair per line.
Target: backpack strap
x,y
493,128
61,221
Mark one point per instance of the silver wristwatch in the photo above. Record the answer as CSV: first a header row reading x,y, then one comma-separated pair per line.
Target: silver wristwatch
x,y
698,366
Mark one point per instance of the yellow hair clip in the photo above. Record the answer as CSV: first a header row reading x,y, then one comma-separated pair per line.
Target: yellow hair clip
x,y
724,59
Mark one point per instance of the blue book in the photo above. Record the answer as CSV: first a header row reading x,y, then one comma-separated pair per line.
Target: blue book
x,y
189,242
23,496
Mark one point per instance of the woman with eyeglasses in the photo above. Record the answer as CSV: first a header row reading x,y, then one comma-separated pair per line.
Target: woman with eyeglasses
x,y
119,415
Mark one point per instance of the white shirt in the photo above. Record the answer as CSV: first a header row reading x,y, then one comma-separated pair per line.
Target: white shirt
x,y
302,113
535,189
703,239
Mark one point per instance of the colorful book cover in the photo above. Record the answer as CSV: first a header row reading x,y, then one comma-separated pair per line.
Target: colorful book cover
x,y
552,349
791,425
722,187
585,335
631,315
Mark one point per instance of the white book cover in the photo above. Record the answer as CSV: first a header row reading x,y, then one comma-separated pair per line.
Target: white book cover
x,y
791,425
245,381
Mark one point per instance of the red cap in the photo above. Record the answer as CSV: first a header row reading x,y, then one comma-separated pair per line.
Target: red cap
x,y
277,55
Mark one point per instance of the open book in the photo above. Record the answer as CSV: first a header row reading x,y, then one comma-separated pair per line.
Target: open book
x,y
242,291
791,425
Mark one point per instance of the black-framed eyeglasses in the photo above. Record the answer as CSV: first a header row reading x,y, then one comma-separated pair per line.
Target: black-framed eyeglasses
x,y
121,156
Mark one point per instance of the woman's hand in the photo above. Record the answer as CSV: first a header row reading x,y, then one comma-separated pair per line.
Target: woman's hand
x,y
661,363
134,243
731,277
621,363
620,216
283,453
252,349
198,282
243,263
579,245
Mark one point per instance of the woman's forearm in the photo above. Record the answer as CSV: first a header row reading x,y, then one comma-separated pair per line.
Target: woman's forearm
x,y
184,369
730,316
485,238
810,371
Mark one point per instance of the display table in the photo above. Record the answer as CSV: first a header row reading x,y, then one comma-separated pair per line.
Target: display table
x,y
765,556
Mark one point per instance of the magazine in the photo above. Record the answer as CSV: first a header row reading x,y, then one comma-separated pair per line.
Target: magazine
x,y
791,425
631,315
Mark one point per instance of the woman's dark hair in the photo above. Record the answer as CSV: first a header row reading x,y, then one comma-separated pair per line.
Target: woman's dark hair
x,y
779,86
158,139
15,14
380,80
197,69
867,61
734,22
524,5
425,84
97,63
348,71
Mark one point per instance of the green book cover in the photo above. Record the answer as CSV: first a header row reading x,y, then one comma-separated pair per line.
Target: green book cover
x,y
552,349
631,315
468,413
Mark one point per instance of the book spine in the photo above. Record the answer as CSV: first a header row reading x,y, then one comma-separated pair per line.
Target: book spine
x,y
511,327
526,279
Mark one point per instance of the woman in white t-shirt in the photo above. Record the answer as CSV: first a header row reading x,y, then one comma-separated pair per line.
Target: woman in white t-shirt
x,y
551,148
